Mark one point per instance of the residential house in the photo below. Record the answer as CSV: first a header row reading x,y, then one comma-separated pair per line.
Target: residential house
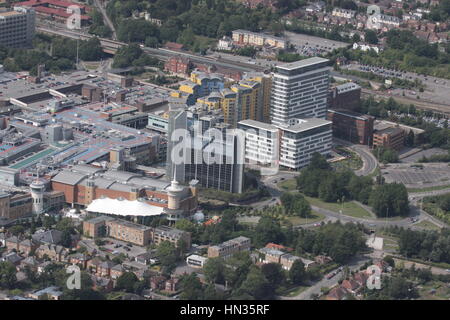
x,y
104,268
30,262
53,252
94,264
48,237
117,271
12,257
41,267
172,285
27,246
53,293
102,283
147,258
271,255
361,278
158,282
337,293
12,243
322,259
351,285
80,259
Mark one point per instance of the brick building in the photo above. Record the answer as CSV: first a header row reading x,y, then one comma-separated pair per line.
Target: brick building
x,y
345,96
389,138
132,232
228,248
95,188
178,65
351,126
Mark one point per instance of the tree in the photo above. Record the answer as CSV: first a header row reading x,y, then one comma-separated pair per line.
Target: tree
x,y
91,50
125,56
318,161
295,204
185,225
17,230
297,273
390,261
356,38
192,287
66,239
273,273
268,230
168,255
127,282
65,224
256,285
389,200
370,36
8,278
214,270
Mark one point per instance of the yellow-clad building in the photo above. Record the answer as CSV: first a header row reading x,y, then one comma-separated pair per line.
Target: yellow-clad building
x,y
265,81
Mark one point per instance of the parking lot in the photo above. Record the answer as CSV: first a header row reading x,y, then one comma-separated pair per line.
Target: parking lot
x,y
427,153
315,44
116,247
424,175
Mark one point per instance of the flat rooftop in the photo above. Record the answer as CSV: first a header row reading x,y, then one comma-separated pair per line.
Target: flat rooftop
x,y
303,63
305,124
259,125
9,13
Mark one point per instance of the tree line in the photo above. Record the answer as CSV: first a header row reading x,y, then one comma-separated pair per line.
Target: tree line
x,y
320,181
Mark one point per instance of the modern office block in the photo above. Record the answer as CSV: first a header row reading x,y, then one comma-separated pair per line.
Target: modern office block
x,y
300,90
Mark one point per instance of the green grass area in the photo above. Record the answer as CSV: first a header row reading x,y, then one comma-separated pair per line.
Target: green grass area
x,y
428,225
288,185
426,189
389,244
442,265
352,162
292,292
314,217
348,208
375,172
434,210
434,290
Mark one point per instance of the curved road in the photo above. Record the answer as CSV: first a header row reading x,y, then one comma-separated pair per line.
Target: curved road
x,y
370,163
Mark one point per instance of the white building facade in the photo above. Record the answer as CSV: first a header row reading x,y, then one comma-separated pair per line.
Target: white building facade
x,y
290,145
300,90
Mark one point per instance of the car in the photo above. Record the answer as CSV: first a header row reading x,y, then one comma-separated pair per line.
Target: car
x,y
447,270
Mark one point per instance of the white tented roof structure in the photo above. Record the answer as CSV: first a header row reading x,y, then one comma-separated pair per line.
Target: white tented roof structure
x,y
123,207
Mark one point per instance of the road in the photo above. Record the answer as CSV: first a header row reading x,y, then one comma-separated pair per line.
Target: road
x,y
106,18
370,163
437,105
437,90
161,53
271,183
315,289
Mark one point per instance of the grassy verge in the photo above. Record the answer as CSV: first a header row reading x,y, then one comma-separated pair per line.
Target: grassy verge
x,y
288,185
425,224
441,265
434,290
315,217
348,208
292,292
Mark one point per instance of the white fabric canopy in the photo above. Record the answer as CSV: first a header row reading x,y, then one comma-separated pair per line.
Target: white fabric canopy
x,y
124,207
